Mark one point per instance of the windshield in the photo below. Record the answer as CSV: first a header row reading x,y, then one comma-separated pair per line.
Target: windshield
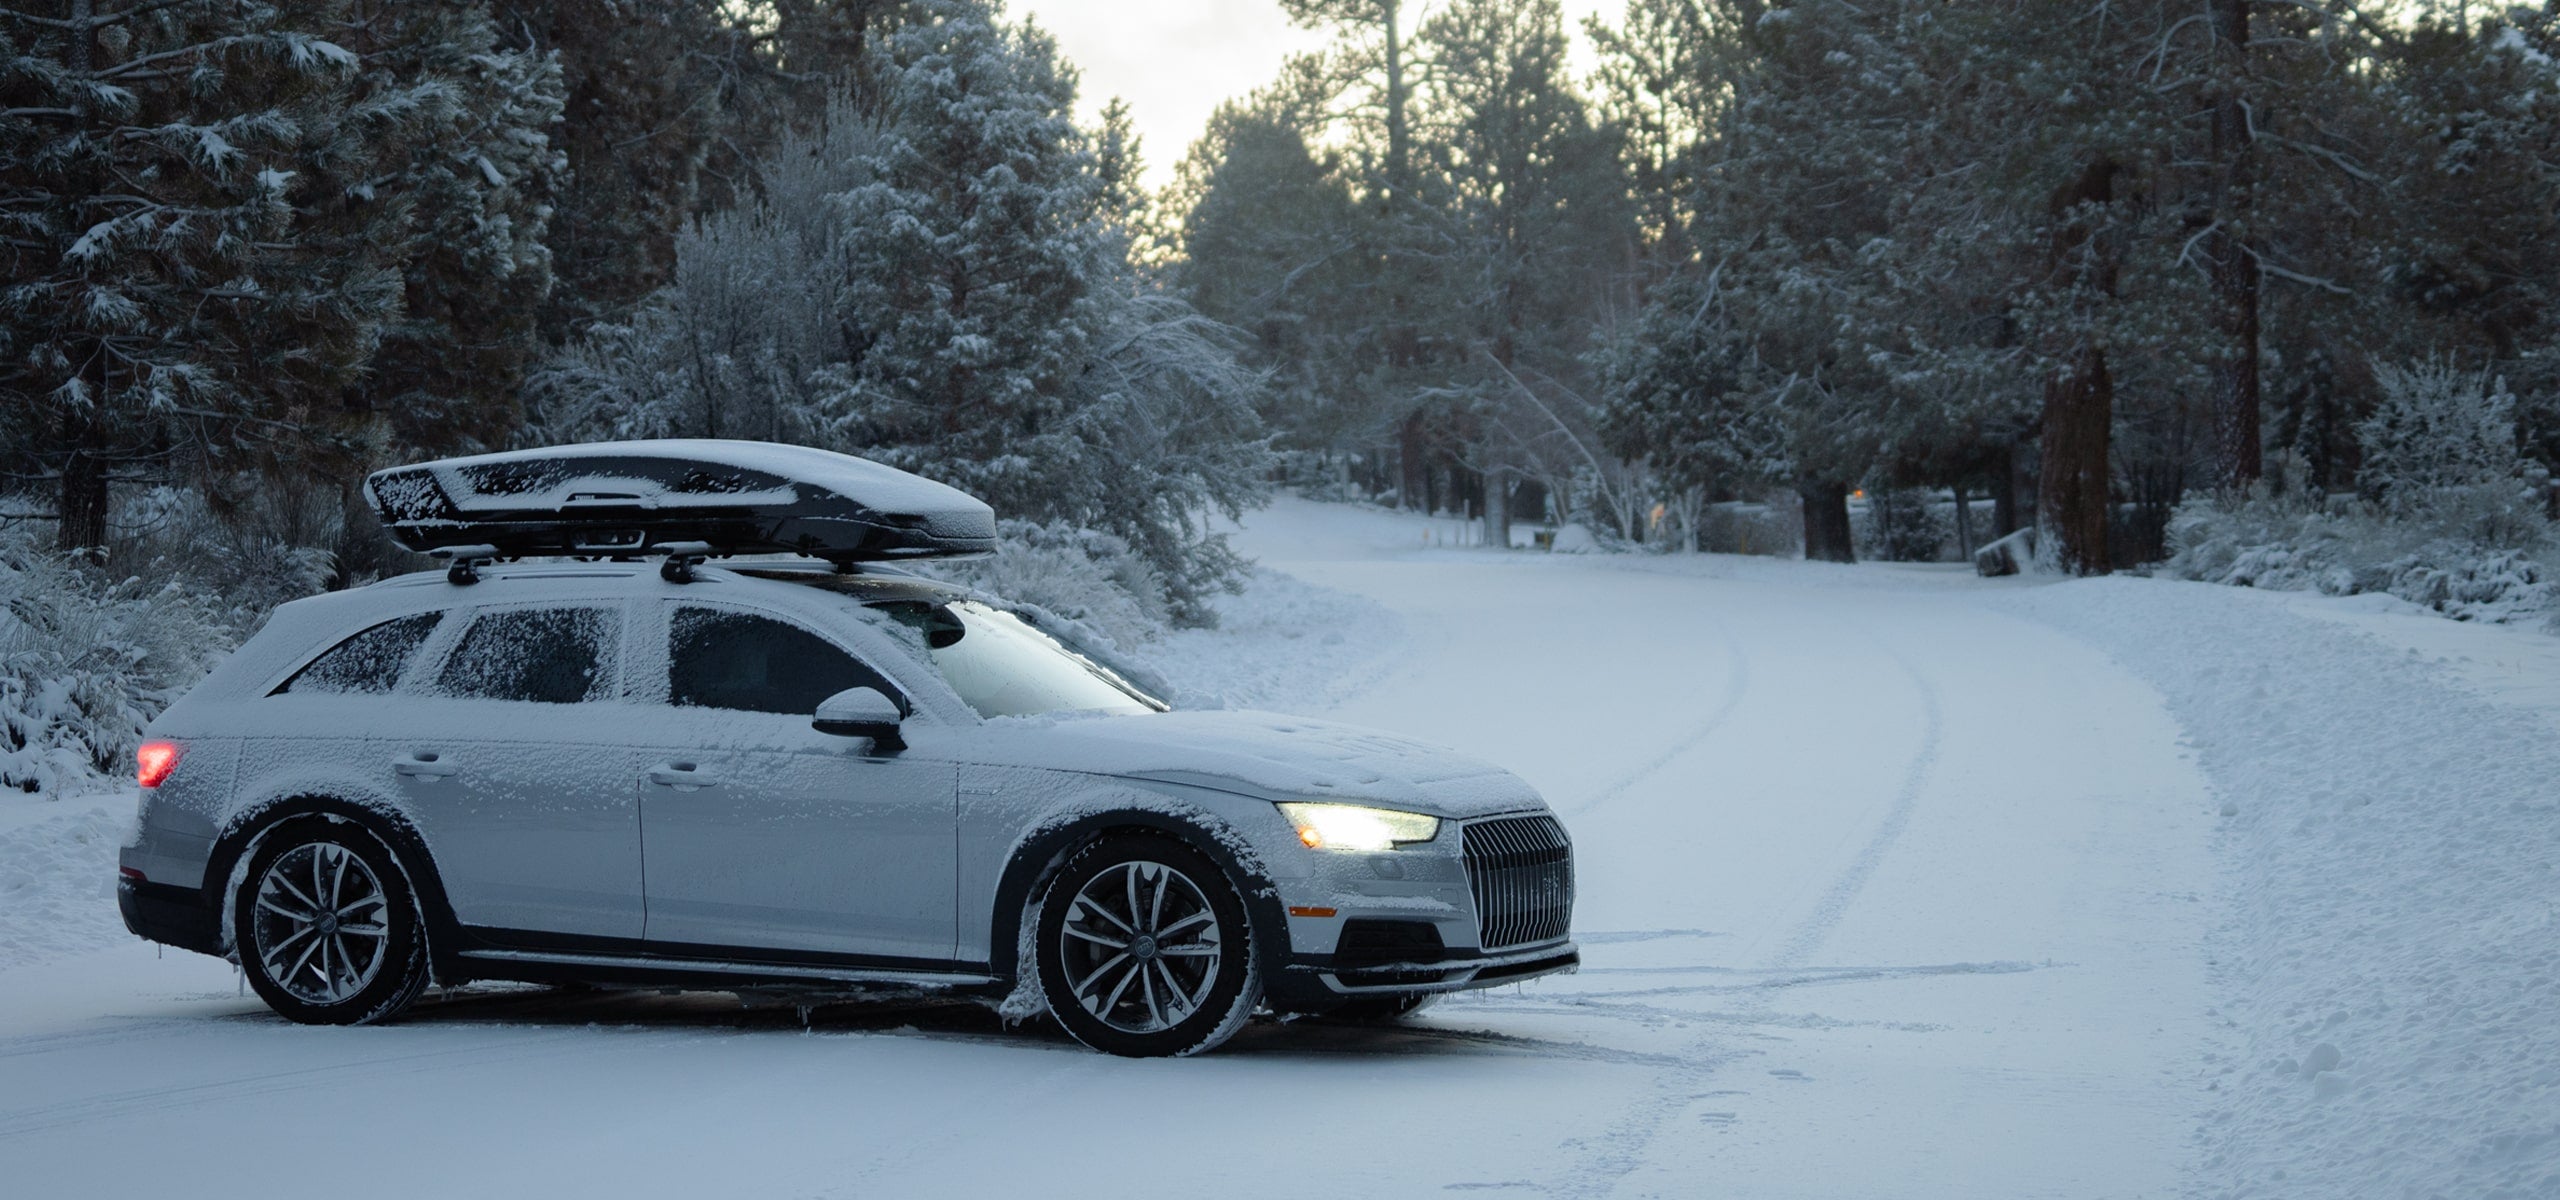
x,y
1003,667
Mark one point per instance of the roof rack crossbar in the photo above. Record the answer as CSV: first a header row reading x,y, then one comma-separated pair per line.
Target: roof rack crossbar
x,y
682,558
463,567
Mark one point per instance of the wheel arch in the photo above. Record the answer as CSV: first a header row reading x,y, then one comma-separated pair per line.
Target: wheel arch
x,y
386,824
1041,854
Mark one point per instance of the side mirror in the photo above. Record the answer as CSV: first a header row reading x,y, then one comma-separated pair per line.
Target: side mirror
x,y
862,712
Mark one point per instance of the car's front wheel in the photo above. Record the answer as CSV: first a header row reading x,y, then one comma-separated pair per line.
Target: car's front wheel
x,y
326,928
1145,950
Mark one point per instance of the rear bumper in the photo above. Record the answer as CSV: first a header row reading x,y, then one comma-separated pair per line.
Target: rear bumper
x,y
170,915
1316,981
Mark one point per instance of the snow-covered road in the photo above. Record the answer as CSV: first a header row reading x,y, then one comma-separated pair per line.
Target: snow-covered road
x,y
1889,887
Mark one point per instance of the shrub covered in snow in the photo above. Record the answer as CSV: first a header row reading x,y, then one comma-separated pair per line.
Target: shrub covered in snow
x,y
2440,436
86,659
1089,577
2449,517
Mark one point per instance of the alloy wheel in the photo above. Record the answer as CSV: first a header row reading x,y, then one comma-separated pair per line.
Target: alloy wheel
x,y
1141,947
320,928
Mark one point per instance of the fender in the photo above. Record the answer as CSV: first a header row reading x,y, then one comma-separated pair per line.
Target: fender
x,y
384,823
1046,849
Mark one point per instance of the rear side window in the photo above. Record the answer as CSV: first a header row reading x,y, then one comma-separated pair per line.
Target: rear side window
x,y
368,663
719,658
545,655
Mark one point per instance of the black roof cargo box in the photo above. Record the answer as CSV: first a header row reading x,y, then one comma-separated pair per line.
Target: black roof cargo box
x,y
622,498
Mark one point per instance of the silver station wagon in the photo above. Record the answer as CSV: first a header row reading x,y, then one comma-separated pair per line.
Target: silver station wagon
x,y
670,718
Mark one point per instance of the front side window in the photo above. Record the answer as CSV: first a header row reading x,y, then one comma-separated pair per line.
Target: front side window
x,y
368,663
723,658
544,655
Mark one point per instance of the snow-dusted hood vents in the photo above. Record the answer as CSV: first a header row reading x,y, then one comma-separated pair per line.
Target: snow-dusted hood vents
x,y
1280,758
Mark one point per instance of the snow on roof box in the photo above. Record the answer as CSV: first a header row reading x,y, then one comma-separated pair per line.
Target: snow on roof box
x,y
608,498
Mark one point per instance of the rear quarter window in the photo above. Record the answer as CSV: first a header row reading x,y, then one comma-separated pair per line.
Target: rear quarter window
x,y
369,663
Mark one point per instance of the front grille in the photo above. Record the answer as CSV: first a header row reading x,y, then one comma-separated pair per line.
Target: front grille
x,y
1521,870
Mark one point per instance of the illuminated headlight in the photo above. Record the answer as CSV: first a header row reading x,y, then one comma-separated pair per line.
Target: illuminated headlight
x,y
1352,827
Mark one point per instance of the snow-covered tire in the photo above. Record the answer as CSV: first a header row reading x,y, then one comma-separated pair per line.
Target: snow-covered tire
x,y
1109,980
326,925
1380,1010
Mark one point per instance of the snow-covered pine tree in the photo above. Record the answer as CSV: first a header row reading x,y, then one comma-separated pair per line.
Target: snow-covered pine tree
x,y
941,277
161,283
478,170
1536,238
663,111
1269,239
973,248
1766,358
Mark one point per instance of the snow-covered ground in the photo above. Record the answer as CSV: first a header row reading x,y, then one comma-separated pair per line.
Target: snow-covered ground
x,y
1895,882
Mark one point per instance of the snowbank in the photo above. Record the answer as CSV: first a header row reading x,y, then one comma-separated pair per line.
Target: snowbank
x,y
58,875
2390,839
1283,645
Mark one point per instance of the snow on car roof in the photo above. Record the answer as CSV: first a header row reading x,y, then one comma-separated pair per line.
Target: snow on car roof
x,y
624,497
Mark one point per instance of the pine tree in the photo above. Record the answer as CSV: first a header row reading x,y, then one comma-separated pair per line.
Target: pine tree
x,y
941,276
478,172
658,122
1536,235
171,280
1269,245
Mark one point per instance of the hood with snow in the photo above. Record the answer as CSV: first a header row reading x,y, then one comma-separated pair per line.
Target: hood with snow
x,y
1273,757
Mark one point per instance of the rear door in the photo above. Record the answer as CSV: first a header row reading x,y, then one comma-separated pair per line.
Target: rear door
x,y
764,834
517,753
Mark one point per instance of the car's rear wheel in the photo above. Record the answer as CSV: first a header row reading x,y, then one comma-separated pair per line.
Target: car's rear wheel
x,y
1145,950
326,928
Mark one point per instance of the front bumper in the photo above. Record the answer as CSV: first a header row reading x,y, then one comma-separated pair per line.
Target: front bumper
x,y
169,914
1315,982
1487,902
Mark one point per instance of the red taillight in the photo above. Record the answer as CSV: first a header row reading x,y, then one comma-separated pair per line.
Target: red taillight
x,y
155,760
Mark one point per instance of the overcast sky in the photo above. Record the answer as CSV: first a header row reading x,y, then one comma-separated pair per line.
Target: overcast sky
x,y
1174,60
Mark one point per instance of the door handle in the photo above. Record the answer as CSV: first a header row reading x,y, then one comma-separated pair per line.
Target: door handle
x,y
425,764
683,777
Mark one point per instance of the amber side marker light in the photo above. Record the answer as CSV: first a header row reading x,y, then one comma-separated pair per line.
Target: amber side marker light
x,y
154,761
1301,910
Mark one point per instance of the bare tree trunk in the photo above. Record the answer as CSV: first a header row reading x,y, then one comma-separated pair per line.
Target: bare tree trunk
x,y
82,530
2004,495
2238,456
1415,470
1964,525
1497,507
2079,402
81,507
1398,141
1826,522
2071,492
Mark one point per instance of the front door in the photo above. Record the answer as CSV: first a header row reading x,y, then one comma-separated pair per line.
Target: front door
x,y
761,833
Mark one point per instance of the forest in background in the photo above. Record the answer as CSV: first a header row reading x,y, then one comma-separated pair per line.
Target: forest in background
x,y
2089,261
253,249
2237,290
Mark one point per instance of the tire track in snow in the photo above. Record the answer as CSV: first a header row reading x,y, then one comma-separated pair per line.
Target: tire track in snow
x,y
1845,886
1737,683
1627,1145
